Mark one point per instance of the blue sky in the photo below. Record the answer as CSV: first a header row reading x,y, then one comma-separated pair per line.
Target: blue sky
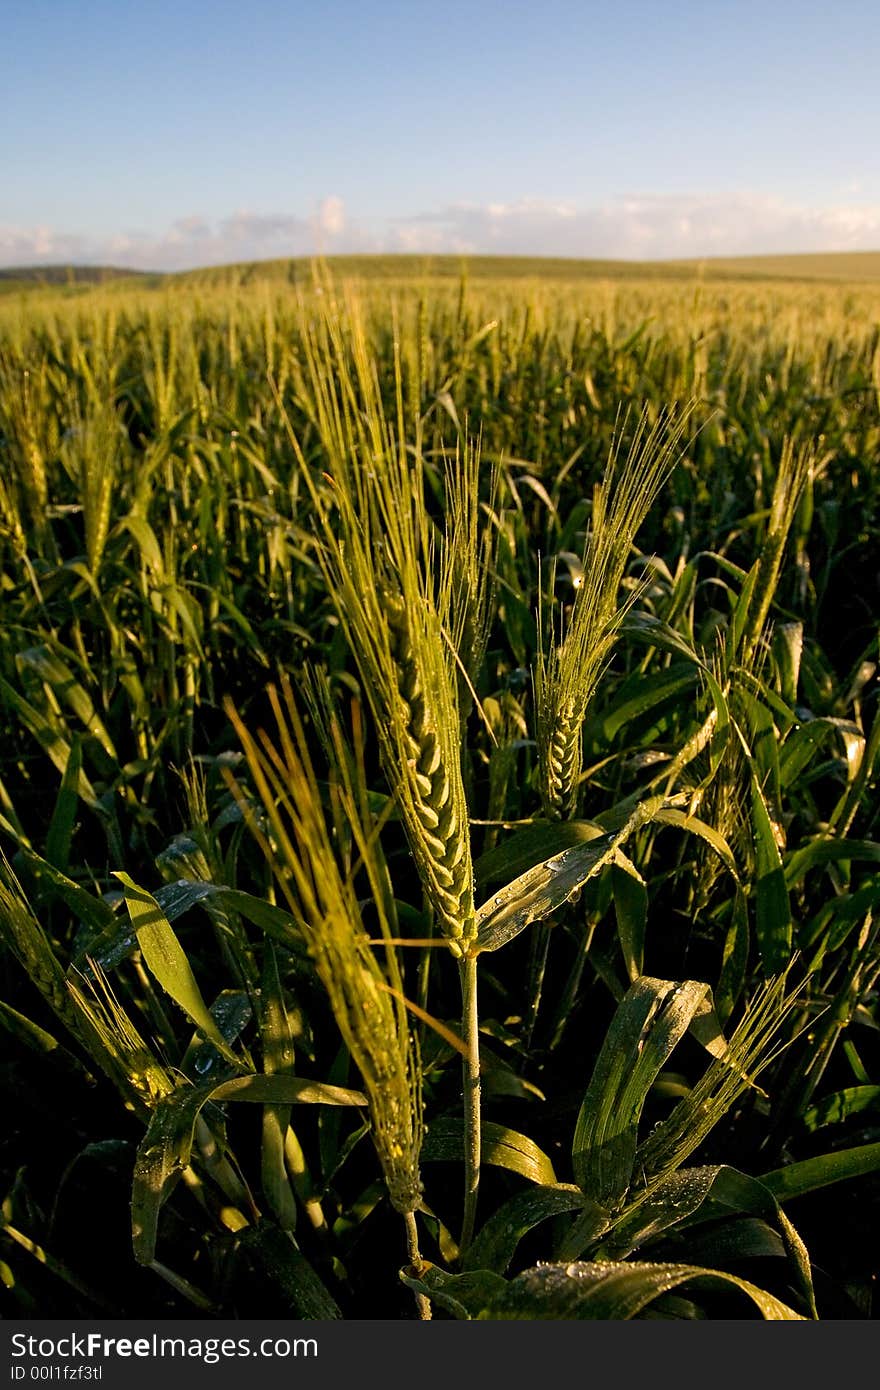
x,y
179,134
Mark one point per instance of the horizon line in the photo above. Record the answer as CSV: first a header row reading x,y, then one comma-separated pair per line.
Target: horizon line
x,y
35,267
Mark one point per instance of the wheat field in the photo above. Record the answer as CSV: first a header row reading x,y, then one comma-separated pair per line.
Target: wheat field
x,y
438,706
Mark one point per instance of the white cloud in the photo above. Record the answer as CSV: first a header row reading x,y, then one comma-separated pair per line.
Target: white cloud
x,y
644,226
331,217
188,242
650,226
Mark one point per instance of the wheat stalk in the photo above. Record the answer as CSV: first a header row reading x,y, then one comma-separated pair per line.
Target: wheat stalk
x,y
412,633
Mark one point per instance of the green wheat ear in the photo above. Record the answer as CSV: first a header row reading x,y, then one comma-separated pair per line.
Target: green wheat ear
x,y
793,474
367,1000
754,1045
91,454
86,1005
412,602
116,1044
467,586
25,418
567,675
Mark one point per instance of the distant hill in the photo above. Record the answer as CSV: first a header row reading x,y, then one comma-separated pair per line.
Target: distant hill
x,y
850,267
30,275
70,280
842,267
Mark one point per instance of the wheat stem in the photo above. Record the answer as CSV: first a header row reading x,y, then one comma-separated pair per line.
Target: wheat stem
x,y
470,1031
423,1304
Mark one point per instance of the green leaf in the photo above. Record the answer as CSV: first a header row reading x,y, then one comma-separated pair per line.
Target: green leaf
x,y
700,1193
279,1056
188,612
753,688
464,1296
651,1019
802,743
734,958
819,852
763,744
740,617
143,533
670,815
674,1199
240,621
232,1011
584,1232
541,890
63,819
63,683
82,572
92,911
168,962
495,1245
57,675
111,946
25,1031
166,1148
178,897
839,916
604,1292
284,1090
839,1106
788,646
501,1147
10,823
740,1238
651,691
271,919
271,1253
47,735
772,910
616,1292
811,1174
653,632
530,846
631,910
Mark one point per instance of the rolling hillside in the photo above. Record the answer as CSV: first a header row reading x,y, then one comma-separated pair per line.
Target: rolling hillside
x,y
852,267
